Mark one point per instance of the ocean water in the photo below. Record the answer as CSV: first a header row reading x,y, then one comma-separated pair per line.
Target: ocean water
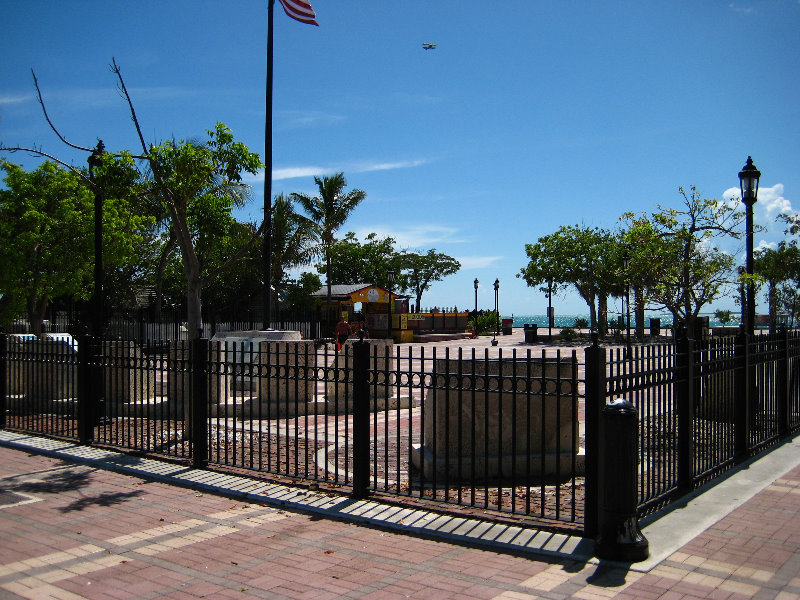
x,y
569,320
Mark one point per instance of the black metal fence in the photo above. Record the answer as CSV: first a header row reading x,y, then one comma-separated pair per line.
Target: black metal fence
x,y
705,405
514,432
141,327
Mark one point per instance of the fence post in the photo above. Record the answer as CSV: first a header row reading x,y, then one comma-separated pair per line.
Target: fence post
x,y
619,537
85,413
684,359
742,397
3,378
595,400
783,399
360,419
199,411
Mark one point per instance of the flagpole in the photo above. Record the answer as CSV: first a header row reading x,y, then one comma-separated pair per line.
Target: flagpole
x,y
268,177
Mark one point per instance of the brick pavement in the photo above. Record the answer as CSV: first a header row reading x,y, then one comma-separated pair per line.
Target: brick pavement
x,y
80,530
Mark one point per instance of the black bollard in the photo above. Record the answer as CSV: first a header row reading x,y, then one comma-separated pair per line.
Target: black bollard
x,y
361,437
619,536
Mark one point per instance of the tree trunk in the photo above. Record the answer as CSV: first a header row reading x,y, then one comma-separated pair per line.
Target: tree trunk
x,y
592,312
161,266
772,296
194,285
36,310
638,304
602,314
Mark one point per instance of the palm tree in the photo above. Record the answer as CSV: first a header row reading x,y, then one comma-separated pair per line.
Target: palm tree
x,y
328,212
292,240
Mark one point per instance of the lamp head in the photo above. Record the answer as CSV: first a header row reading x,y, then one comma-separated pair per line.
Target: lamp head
x,y
748,181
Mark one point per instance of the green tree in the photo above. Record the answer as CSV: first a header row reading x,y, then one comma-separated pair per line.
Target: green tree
x,y
420,270
680,246
292,241
328,212
298,293
199,185
354,262
573,256
724,316
47,237
242,279
776,266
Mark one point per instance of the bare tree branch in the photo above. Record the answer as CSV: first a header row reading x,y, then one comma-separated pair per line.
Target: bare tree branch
x,y
116,70
37,152
47,117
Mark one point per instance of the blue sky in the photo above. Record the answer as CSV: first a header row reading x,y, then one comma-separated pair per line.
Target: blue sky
x,y
527,116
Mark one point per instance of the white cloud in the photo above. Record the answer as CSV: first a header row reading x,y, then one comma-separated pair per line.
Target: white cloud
x,y
422,237
289,119
770,204
295,172
368,167
745,10
764,244
354,167
772,200
477,262
15,99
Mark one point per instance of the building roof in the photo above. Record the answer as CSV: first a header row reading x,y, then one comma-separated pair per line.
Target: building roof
x,y
342,290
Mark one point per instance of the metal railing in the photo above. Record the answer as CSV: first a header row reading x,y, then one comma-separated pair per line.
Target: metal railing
x,y
514,432
705,405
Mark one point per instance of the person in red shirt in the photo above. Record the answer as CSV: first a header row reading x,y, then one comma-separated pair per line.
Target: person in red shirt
x,y
342,333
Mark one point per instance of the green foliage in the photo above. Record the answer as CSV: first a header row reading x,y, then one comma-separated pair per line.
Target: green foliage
x,y
724,316
198,186
568,334
47,236
298,293
328,211
674,253
581,323
354,262
579,256
776,267
422,269
292,240
485,323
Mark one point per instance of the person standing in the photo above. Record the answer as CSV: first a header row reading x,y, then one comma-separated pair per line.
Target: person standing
x,y
342,333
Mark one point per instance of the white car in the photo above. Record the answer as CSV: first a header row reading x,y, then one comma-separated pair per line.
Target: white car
x,y
62,337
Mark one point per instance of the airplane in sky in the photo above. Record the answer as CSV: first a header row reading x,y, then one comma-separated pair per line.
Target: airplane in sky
x,y
429,46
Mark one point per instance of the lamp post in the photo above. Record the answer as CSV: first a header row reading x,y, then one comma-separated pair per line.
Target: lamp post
x,y
390,277
742,298
748,183
549,309
475,283
95,160
626,263
496,311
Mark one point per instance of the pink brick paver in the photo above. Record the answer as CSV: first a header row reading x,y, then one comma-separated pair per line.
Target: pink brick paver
x,y
79,531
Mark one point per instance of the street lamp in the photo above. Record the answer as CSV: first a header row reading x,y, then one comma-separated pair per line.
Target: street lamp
x,y
475,283
626,263
550,309
95,160
390,277
748,183
742,297
496,311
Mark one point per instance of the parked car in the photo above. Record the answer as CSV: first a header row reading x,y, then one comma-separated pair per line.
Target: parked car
x,y
62,337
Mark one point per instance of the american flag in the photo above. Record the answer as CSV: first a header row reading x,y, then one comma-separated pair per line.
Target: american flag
x,y
300,10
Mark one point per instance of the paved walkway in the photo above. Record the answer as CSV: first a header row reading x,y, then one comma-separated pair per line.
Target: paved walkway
x,y
78,522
